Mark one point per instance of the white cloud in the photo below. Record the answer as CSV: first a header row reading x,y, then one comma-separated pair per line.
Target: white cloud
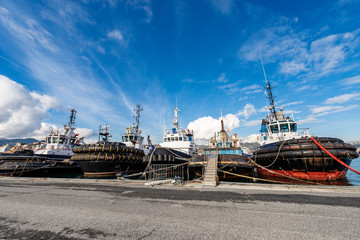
x,y
22,111
252,123
205,127
292,67
144,5
116,35
230,88
325,110
295,103
251,87
224,6
85,132
351,81
342,98
222,78
295,51
251,138
248,111
309,119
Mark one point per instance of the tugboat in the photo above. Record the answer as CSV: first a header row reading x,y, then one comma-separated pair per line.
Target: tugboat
x,y
284,153
133,138
50,159
231,157
58,144
107,158
179,139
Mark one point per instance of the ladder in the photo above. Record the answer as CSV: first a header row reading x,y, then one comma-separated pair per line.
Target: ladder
x,y
210,174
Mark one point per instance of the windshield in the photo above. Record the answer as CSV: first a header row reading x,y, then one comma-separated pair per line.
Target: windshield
x,y
274,128
284,127
293,127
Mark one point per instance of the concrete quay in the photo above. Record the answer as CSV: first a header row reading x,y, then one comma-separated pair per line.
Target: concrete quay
x,y
111,209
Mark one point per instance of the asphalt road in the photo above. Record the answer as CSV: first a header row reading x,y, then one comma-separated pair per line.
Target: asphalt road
x,y
36,209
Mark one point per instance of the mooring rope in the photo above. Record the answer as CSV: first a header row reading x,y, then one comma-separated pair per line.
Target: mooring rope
x,y
339,161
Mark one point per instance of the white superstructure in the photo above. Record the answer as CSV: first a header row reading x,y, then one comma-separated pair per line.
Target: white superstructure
x,y
133,137
178,138
276,127
59,142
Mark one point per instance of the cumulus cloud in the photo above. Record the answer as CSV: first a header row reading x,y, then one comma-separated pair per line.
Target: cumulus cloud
x,y
116,35
205,127
342,98
252,138
248,111
23,111
85,132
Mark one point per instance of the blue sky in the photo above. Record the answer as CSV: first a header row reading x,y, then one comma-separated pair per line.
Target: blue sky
x,y
104,57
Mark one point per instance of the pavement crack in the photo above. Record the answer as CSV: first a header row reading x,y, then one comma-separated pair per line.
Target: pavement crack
x,y
147,235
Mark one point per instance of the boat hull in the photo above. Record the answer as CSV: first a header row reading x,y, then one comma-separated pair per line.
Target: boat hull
x,y
303,159
103,167
231,167
28,168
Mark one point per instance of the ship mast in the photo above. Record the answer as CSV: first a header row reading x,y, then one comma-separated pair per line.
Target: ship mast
x,y
138,111
176,122
72,117
271,100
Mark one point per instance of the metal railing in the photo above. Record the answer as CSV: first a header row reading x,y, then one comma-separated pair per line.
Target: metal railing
x,y
166,171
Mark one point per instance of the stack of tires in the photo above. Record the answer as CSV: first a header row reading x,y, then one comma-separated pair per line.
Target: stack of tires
x,y
161,155
304,156
109,158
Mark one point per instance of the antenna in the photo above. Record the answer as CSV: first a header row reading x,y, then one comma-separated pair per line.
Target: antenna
x,y
262,64
292,113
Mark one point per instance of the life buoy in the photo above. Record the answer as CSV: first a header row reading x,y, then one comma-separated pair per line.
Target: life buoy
x,y
137,141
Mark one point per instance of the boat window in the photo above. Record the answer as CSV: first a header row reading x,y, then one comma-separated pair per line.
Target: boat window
x,y
131,138
274,128
293,127
61,140
180,138
176,139
55,140
284,127
48,140
125,139
72,141
165,139
172,139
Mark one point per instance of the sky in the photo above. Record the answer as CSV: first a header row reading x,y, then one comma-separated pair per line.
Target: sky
x,y
104,57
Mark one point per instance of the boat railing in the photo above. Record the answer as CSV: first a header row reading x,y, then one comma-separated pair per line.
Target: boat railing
x,y
304,131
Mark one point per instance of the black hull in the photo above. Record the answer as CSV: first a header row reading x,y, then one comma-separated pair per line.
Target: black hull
x,y
20,168
167,156
110,167
302,158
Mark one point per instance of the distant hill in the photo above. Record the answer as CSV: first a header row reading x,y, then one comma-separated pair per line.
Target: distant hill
x,y
4,141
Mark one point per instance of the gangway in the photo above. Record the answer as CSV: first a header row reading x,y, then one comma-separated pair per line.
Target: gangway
x,y
210,174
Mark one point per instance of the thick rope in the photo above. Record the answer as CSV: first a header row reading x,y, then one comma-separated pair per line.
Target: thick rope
x,y
253,178
339,161
281,175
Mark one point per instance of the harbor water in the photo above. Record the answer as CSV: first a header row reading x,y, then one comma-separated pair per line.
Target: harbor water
x,y
352,177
